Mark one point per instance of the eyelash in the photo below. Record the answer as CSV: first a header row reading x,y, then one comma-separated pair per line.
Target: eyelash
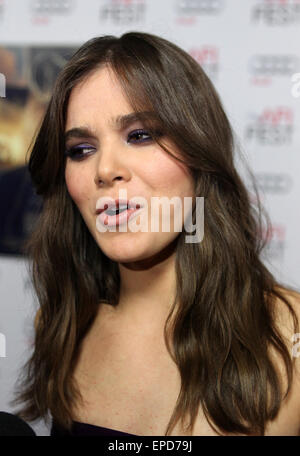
x,y
72,152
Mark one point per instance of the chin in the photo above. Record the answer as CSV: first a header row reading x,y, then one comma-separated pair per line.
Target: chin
x,y
124,251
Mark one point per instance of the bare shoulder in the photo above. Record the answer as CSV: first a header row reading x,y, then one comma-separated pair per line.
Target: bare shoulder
x,y
289,414
285,321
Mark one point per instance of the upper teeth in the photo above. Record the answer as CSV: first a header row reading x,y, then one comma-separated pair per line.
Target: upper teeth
x,y
119,208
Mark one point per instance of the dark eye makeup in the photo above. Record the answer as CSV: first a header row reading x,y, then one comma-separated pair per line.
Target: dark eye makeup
x,y
80,151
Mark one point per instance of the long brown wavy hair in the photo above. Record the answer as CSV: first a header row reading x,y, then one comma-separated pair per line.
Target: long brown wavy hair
x,y
225,323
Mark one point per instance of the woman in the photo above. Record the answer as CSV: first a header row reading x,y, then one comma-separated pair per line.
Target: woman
x,y
141,332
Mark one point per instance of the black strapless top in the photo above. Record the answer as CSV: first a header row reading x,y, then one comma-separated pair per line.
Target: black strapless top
x,y
84,429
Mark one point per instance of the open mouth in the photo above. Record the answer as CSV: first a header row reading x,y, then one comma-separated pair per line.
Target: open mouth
x,y
119,209
112,216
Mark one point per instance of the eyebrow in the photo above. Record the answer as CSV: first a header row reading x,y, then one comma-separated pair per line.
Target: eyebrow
x,y
119,123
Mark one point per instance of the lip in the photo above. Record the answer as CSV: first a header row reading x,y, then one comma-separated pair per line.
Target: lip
x,y
118,219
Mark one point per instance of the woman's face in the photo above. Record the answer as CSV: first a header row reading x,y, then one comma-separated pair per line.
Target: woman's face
x,y
109,158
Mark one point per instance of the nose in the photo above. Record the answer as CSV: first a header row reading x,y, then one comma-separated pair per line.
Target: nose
x,y
110,167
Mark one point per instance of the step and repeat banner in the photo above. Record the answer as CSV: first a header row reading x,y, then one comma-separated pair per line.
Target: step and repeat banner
x,y
248,48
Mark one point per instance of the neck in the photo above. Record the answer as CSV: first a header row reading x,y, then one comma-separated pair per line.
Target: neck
x,y
148,289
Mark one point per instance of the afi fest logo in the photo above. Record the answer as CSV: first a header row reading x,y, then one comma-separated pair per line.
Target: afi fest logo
x,y
264,67
52,6
188,10
276,12
273,127
192,7
208,57
43,10
274,183
110,215
123,11
276,240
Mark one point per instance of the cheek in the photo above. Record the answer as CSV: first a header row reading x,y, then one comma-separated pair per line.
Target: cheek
x,y
169,177
78,185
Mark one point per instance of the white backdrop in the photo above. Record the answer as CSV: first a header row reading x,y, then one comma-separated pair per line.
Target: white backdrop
x,y
249,48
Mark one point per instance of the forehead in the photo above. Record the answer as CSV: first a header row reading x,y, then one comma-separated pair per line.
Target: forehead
x,y
98,94
99,98
102,79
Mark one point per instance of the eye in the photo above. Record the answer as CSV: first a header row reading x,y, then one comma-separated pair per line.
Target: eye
x,y
138,134
78,152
